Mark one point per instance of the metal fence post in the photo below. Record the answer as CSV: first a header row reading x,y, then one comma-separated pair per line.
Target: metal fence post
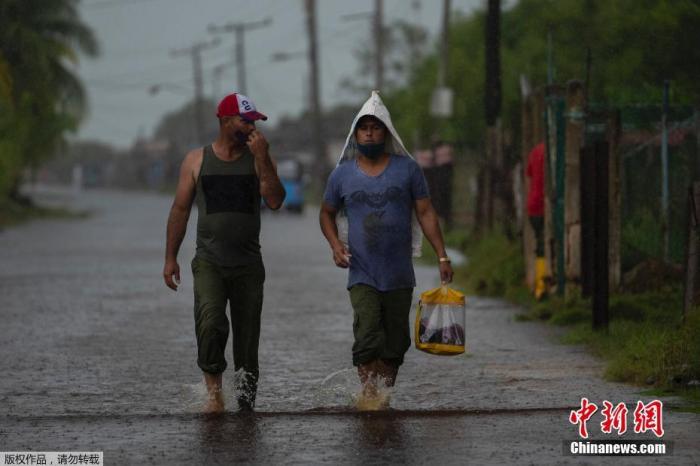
x,y
691,267
613,130
600,235
575,126
587,164
664,175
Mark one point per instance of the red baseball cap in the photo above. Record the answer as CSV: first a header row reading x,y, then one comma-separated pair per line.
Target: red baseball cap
x,y
238,104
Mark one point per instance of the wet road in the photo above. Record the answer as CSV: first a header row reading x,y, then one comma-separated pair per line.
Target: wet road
x,y
97,354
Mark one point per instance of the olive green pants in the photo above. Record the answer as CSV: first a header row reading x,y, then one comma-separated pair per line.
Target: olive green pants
x,y
242,288
380,324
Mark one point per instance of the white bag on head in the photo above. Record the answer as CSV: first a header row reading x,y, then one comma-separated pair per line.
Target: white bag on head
x,y
393,145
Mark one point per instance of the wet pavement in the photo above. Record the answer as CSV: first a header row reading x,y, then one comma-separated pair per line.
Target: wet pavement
x,y
99,355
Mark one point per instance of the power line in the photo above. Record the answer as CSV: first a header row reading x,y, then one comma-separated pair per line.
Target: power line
x,y
239,30
378,32
195,53
379,38
110,3
161,67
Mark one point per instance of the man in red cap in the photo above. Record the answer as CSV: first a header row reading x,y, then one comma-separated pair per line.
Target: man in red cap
x,y
227,179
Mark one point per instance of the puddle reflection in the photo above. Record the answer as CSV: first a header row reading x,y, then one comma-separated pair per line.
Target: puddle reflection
x,y
381,435
237,436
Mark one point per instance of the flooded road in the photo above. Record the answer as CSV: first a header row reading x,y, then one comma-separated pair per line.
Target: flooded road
x,y
97,354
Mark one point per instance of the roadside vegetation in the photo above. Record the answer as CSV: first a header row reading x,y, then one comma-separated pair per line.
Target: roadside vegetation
x,y
648,343
41,97
14,213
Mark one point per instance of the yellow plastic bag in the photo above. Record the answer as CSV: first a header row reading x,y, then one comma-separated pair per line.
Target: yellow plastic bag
x,y
440,322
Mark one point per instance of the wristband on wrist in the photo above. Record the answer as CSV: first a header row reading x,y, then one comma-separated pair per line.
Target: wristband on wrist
x,y
445,259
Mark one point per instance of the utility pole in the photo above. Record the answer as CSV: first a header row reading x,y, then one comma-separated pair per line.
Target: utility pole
x,y
216,74
440,174
664,174
305,94
444,44
315,97
492,109
492,101
377,18
239,30
379,47
550,58
442,97
195,52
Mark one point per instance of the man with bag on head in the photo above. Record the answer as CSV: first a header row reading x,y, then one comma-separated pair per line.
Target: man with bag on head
x,y
227,179
380,191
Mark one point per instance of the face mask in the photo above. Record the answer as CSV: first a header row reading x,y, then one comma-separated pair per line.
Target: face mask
x,y
371,151
242,137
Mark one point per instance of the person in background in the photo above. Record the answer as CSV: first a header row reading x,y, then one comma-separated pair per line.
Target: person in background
x,y
535,212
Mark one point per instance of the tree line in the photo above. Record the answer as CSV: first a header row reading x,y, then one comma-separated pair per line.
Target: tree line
x,y
633,44
41,97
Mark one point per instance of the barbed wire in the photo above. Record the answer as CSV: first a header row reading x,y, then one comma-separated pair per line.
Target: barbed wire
x,y
687,123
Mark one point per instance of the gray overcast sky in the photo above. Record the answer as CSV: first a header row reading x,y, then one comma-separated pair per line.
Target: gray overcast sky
x,y
137,36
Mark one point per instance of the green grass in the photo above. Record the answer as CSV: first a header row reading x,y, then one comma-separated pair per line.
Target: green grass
x,y
456,239
494,267
647,342
644,352
691,396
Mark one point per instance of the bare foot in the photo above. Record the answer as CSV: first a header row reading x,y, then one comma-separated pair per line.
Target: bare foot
x,y
215,404
215,399
369,389
376,402
386,373
372,399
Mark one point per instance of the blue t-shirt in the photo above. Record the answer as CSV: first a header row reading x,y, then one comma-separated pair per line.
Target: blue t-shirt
x,y
379,212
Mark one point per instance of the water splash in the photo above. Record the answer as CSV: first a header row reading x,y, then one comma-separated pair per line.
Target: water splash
x,y
378,399
336,389
195,396
342,389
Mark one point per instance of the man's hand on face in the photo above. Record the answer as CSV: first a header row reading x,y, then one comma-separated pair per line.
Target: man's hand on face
x,y
171,269
257,143
341,256
446,272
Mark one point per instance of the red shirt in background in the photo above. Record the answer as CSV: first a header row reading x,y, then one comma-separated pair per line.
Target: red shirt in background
x,y
535,171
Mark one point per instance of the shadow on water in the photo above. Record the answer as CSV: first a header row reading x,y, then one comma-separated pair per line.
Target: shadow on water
x,y
240,438
235,436
380,435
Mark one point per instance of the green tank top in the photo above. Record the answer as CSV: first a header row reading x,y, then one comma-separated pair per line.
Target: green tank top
x,y
228,204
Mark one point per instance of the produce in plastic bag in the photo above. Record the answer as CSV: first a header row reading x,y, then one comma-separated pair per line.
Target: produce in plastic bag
x,y
440,322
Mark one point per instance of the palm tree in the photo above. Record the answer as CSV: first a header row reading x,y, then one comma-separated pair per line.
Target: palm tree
x,y
39,43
